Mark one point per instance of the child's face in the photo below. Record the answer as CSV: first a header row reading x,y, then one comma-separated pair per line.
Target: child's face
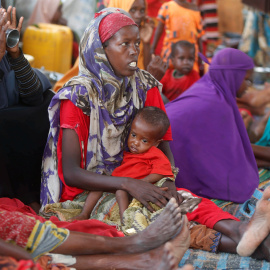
x,y
123,51
142,136
137,11
183,59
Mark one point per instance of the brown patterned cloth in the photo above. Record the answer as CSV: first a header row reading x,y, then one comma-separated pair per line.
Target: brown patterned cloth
x,y
204,238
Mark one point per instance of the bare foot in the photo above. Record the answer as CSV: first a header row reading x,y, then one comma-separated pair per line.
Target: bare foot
x,y
182,241
258,227
81,216
168,260
187,267
166,227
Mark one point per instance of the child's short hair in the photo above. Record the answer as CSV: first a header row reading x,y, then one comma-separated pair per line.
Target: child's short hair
x,y
181,43
155,117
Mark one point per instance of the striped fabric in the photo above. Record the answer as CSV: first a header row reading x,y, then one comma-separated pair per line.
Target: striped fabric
x,y
44,238
28,82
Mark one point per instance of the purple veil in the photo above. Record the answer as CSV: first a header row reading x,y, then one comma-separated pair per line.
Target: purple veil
x,y
211,147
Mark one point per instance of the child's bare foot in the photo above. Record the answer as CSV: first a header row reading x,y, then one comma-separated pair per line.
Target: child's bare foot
x,y
258,228
81,216
167,226
182,241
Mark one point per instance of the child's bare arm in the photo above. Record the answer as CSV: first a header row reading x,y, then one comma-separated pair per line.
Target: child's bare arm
x,y
152,178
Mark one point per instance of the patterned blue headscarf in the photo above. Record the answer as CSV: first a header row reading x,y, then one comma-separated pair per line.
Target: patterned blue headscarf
x,y
110,101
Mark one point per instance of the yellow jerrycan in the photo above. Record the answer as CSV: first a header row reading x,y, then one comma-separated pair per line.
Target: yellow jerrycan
x,y
50,45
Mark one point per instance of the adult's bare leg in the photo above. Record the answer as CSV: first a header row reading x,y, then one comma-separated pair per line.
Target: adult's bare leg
x,y
161,258
167,226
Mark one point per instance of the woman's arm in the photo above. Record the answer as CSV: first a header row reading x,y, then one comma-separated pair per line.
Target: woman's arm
x,y
77,177
262,155
164,146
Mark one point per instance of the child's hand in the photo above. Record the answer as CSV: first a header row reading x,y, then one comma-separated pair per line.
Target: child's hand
x,y
146,30
157,67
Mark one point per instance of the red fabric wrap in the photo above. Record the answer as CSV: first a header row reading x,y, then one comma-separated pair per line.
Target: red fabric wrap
x,y
112,24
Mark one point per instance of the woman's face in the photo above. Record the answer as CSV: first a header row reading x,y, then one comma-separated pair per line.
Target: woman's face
x,y
123,51
137,11
245,84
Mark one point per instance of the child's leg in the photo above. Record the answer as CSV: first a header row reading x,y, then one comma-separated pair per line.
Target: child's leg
x,y
232,229
123,201
248,238
89,205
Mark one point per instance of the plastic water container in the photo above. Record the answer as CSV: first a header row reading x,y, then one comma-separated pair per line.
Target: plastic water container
x,y
50,45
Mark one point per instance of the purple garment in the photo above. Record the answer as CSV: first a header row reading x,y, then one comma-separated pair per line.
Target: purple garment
x,y
211,147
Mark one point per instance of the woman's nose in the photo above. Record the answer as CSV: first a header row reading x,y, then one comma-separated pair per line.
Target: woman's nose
x,y
133,49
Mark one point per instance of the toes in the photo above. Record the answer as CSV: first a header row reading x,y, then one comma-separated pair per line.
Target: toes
x,y
266,194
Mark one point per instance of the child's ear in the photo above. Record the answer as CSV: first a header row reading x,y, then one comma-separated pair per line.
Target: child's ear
x,y
158,142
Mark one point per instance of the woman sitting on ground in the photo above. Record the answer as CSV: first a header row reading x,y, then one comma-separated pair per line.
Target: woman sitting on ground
x,y
212,147
90,121
94,112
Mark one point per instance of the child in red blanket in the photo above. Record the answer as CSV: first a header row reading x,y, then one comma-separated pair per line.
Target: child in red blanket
x,y
144,161
179,79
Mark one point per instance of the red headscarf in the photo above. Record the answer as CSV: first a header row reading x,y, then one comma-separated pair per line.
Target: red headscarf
x,y
112,24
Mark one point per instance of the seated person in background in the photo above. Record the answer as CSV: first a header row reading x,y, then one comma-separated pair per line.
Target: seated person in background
x,y
19,82
144,161
23,128
179,79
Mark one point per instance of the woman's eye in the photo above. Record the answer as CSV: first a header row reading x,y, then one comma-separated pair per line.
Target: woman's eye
x,y
138,43
142,11
133,135
132,10
124,44
144,141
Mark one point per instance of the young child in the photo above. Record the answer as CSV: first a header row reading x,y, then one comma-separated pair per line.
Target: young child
x,y
179,79
182,21
144,161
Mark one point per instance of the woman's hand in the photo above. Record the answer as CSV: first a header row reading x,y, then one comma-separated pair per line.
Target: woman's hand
x,y
172,191
146,192
14,52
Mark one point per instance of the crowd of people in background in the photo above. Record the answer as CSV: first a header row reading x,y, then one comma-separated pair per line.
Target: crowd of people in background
x,y
153,142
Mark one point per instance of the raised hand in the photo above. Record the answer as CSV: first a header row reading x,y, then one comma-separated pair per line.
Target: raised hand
x,y
14,52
